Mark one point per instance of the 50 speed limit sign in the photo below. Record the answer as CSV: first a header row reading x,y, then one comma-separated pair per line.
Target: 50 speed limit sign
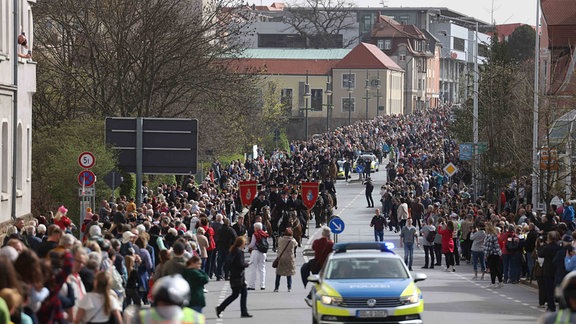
x,y
86,160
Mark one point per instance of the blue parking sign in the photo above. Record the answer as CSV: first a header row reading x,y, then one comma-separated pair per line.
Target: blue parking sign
x,y
336,225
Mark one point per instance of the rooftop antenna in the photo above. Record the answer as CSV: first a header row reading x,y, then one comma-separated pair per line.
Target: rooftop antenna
x,y
384,3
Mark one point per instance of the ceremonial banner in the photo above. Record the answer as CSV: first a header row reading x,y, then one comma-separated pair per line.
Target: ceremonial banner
x,y
309,193
248,191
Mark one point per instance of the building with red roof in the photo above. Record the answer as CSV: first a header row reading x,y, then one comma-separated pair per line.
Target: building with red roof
x,y
344,85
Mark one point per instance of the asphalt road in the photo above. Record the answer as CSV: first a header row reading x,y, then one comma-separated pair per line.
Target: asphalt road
x,y
449,297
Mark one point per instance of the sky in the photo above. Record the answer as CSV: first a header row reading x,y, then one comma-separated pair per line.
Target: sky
x,y
504,11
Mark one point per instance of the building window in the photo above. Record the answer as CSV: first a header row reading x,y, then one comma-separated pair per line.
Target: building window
x,y
402,57
4,23
459,44
381,44
316,98
404,20
483,50
4,173
348,104
286,100
348,81
419,84
387,44
19,154
367,23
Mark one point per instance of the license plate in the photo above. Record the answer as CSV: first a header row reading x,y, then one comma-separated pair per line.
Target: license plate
x,y
371,313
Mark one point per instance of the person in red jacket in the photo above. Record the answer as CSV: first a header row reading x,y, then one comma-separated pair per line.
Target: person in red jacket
x,y
447,230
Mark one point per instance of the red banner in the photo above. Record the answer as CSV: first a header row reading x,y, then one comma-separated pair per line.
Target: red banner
x,y
309,193
248,191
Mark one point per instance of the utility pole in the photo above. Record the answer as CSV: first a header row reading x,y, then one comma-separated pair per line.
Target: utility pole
x,y
366,97
378,96
535,164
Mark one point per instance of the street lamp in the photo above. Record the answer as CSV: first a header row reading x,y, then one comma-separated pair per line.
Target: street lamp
x,y
306,98
367,87
378,93
349,97
329,102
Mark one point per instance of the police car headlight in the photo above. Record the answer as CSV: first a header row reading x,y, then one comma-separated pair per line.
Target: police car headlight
x,y
331,300
412,299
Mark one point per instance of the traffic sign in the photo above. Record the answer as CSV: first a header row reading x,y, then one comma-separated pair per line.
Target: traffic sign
x,y
113,179
336,225
86,178
466,151
86,160
450,169
87,192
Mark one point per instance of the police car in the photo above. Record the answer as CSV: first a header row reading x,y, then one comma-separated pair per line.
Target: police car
x,y
366,282
360,161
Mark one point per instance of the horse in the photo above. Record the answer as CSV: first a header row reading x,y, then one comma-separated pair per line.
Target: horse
x,y
318,210
333,170
294,222
322,209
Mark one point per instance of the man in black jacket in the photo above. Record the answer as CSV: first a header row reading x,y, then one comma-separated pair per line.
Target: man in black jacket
x,y
296,204
225,238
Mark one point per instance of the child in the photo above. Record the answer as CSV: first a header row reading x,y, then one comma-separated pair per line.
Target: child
x,y
196,279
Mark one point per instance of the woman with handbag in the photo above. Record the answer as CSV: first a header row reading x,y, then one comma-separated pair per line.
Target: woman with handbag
x,y
100,305
285,262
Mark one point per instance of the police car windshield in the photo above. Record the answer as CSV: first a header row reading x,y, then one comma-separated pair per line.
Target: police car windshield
x,y
366,268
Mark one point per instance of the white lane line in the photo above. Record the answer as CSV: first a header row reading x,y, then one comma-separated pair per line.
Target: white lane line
x,y
221,297
497,292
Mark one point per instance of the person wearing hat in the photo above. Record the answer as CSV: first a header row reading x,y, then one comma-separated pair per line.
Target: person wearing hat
x,y
566,295
259,203
127,246
295,203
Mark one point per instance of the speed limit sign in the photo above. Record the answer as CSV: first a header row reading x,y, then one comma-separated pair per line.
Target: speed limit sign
x,y
86,160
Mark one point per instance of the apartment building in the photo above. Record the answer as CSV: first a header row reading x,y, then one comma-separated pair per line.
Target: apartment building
x,y
17,86
450,39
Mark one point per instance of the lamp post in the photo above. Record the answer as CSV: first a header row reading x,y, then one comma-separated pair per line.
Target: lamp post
x,y
475,112
367,88
306,98
349,98
329,102
378,94
535,164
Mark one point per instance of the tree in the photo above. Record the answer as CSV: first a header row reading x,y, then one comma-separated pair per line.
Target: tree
x,y
146,58
323,23
138,58
55,168
504,118
521,43
271,116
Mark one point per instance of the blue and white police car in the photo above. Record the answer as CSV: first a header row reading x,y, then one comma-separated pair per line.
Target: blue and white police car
x,y
366,282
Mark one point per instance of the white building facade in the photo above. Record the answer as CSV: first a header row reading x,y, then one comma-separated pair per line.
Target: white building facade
x,y
17,87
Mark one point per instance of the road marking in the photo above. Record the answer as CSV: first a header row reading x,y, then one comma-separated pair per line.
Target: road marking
x,y
221,297
498,292
308,244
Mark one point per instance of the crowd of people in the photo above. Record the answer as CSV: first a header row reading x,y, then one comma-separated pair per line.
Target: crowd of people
x,y
198,230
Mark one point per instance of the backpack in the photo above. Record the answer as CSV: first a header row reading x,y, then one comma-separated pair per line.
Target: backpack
x,y
262,244
512,244
431,236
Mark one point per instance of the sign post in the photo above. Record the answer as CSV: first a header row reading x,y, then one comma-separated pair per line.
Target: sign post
x,y
86,179
337,226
